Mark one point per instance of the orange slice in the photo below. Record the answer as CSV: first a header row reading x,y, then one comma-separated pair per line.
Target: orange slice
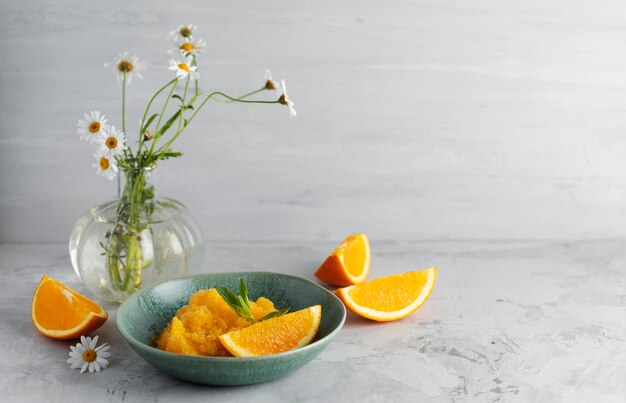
x,y
275,335
348,264
62,313
390,298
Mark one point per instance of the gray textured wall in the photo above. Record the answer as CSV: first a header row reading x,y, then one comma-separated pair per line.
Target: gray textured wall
x,y
417,119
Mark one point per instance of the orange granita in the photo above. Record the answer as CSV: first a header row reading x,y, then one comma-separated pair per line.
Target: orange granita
x,y
196,327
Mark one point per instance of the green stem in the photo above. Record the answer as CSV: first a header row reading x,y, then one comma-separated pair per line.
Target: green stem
x,y
124,102
145,114
165,146
240,99
196,82
156,131
246,95
182,105
169,95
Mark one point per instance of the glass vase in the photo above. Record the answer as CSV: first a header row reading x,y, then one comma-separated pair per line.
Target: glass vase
x,y
134,241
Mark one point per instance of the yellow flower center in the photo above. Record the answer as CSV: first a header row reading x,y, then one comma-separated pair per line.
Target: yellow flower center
x,y
94,127
90,355
104,165
125,66
187,46
111,142
183,66
185,31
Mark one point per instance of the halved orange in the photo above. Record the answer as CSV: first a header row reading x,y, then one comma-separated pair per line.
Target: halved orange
x,y
275,335
62,313
348,264
390,298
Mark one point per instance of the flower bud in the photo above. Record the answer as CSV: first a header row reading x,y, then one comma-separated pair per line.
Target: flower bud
x,y
270,85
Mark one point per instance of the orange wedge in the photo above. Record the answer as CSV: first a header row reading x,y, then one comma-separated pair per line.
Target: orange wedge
x,y
390,298
275,335
348,264
62,313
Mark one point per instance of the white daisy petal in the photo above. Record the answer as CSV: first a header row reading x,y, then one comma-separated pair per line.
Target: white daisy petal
x,y
285,100
96,366
103,349
80,348
104,354
103,362
84,367
91,367
94,341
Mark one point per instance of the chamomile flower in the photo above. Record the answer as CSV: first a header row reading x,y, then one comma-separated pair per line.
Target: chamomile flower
x,y
184,69
184,31
188,46
106,166
91,126
284,99
127,64
86,356
112,142
269,83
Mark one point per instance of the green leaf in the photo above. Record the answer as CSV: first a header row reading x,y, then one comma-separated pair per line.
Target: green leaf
x,y
147,123
243,291
169,123
241,304
170,154
227,295
175,96
236,303
274,314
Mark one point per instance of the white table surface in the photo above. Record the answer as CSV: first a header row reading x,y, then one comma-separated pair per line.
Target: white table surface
x,y
522,321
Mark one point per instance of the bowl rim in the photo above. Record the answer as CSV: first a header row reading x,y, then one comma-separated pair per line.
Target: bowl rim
x,y
213,359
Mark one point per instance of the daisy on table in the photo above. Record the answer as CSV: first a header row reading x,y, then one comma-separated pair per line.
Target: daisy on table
x,y
86,356
91,127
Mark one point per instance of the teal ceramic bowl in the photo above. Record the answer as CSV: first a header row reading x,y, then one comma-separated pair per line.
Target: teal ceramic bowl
x,y
148,311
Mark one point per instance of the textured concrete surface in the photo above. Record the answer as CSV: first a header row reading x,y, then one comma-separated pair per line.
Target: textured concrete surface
x,y
507,321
